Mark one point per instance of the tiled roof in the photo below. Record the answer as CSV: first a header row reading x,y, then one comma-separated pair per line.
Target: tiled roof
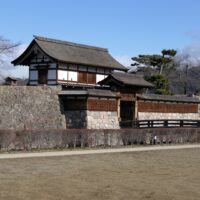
x,y
126,79
169,98
88,92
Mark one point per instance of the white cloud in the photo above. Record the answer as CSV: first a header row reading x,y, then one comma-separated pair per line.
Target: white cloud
x,y
189,55
124,60
7,69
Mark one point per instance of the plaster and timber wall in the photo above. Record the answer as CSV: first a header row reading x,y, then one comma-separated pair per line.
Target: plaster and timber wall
x,y
31,107
160,110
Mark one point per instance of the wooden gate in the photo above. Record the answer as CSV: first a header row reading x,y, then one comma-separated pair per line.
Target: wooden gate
x,y
127,110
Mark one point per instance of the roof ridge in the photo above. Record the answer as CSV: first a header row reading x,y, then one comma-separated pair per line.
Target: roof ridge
x,y
69,43
169,98
165,95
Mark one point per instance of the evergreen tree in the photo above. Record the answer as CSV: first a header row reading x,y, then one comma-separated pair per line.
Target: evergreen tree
x,y
155,65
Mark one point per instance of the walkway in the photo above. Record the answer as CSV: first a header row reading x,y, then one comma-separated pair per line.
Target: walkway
x,y
94,151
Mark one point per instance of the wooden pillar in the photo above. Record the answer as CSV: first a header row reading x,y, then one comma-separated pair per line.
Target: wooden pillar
x,y
118,109
118,105
136,108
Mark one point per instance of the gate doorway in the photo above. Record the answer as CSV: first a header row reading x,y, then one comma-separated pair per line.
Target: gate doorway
x,y
127,111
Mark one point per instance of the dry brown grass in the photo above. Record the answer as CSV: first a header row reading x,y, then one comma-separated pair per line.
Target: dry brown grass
x,y
162,175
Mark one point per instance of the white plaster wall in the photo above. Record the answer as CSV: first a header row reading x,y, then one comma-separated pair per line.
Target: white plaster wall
x,y
100,77
67,75
72,76
33,75
154,115
51,74
62,75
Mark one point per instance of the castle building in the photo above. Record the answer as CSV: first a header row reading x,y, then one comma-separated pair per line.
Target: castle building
x,y
97,92
55,62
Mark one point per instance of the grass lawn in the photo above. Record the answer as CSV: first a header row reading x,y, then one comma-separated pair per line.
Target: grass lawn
x,y
162,175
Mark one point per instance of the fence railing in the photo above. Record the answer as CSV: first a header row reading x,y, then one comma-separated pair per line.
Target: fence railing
x,y
165,123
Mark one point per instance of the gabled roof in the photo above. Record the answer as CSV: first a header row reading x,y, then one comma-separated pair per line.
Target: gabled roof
x,y
169,98
9,78
19,81
126,79
69,52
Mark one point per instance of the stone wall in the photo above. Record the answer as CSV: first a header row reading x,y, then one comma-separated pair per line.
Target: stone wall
x,y
38,107
154,115
102,120
31,107
92,119
76,119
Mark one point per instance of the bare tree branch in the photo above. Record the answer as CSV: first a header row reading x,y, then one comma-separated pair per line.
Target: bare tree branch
x,y
6,46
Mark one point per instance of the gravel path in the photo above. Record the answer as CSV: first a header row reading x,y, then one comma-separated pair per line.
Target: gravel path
x,y
94,151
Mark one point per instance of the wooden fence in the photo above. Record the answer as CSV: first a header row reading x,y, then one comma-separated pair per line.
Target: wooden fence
x,y
164,123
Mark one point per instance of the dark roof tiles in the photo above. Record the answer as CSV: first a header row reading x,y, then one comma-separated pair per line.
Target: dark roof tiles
x,y
88,92
169,98
127,79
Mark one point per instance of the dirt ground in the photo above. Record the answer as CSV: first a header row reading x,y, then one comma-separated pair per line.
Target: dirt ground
x,y
162,175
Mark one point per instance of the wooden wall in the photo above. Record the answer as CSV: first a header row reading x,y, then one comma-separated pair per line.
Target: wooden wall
x,y
167,107
102,105
90,104
75,104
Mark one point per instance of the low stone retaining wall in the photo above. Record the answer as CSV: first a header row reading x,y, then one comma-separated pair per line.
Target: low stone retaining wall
x,y
72,138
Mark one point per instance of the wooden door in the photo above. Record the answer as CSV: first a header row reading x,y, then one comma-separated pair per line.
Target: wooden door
x,y
85,77
91,78
82,77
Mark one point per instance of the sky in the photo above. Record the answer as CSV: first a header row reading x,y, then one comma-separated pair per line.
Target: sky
x,y
126,27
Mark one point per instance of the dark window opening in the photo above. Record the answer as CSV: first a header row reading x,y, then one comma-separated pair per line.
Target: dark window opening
x,y
127,110
74,104
42,76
